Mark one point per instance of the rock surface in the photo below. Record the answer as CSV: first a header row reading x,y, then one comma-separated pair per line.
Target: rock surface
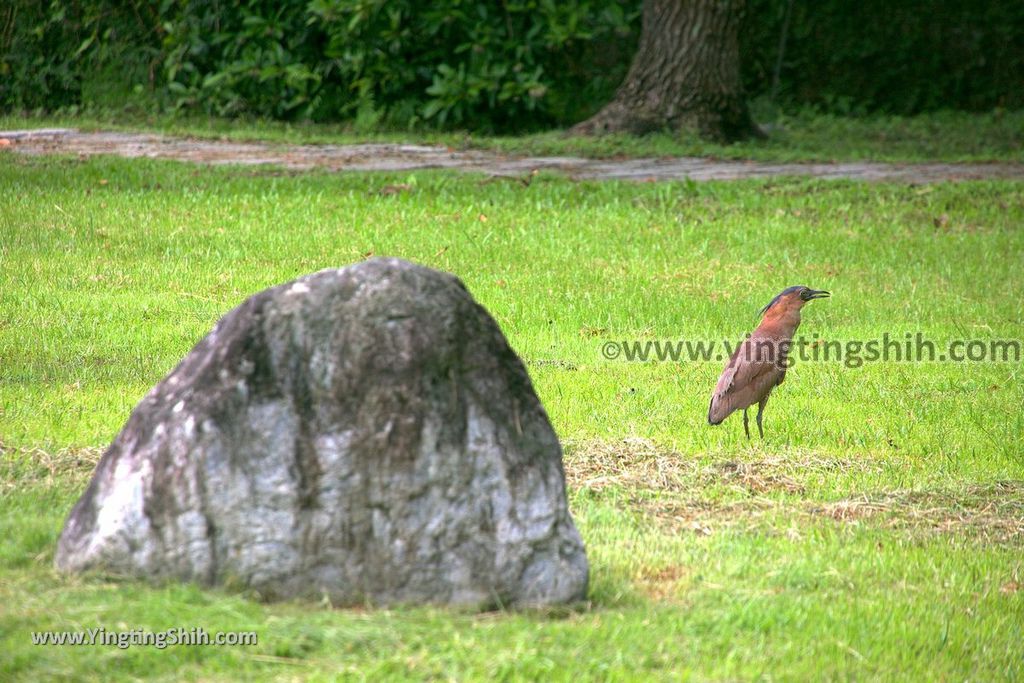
x,y
364,433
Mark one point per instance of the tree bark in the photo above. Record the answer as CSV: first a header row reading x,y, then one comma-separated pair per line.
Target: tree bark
x,y
685,75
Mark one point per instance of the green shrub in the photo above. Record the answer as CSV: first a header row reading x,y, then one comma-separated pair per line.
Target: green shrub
x,y
510,65
254,57
48,50
36,69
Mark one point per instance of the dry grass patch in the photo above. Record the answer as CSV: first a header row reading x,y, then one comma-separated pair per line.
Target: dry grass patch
x,y
704,518
761,476
662,583
991,513
682,495
21,467
632,463
641,465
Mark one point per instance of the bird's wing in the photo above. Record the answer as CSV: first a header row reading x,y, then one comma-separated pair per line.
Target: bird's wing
x,y
750,374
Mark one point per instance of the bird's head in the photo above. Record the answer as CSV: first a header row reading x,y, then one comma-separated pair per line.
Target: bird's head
x,y
794,298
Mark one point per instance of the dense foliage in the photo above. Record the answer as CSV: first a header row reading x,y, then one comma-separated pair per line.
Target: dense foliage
x,y
510,65
901,57
51,51
37,68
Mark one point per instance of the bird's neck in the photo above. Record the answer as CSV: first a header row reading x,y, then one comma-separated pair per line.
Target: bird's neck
x,y
781,323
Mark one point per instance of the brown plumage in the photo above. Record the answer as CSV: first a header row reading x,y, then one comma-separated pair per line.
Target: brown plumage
x,y
759,364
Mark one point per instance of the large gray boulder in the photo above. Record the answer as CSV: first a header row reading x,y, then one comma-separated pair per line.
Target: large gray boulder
x,y
364,433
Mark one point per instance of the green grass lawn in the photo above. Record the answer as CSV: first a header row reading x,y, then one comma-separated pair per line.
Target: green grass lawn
x,y
876,533
942,136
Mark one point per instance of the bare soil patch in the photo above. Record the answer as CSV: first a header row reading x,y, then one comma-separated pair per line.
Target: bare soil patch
x,y
398,157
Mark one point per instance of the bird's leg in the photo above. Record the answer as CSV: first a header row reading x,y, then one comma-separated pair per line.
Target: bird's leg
x,y
760,410
746,429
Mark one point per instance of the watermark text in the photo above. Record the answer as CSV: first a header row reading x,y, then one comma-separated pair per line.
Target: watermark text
x,y
905,348
124,639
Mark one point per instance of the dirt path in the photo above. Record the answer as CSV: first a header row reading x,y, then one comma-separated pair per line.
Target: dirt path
x,y
396,157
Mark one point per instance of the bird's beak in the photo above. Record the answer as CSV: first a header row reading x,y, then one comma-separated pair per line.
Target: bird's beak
x,y
810,294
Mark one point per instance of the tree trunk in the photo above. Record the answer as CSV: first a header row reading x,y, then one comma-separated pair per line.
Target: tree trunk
x,y
685,75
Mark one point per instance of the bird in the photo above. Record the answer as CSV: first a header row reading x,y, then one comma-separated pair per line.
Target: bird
x,y
759,364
